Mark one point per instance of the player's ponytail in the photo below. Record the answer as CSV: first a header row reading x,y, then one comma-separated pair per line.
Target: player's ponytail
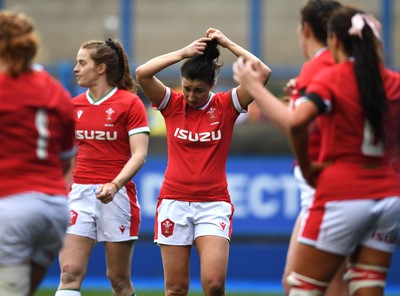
x,y
204,67
359,34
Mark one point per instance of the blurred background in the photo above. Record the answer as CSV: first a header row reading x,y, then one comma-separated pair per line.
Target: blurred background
x,y
259,168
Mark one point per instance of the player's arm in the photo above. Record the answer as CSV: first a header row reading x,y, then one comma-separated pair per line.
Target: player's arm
x,y
153,88
244,96
68,167
250,77
139,146
299,121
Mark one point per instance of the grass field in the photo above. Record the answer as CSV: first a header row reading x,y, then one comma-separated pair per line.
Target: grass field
x,y
43,292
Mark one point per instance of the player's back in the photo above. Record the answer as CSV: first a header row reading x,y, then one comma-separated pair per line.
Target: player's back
x,y
37,128
348,141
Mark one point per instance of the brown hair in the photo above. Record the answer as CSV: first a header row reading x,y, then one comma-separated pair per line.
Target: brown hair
x,y
114,57
18,42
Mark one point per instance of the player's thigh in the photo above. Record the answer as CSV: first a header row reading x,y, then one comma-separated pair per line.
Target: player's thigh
x,y
309,263
119,258
176,264
293,246
214,255
75,253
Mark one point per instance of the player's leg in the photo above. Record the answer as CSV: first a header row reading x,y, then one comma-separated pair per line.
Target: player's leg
x,y
309,277
213,228
176,265
174,234
371,260
291,254
79,240
366,275
74,258
214,253
119,260
338,286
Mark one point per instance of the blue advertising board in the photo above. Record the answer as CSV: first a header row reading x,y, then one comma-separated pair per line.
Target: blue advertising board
x,y
263,192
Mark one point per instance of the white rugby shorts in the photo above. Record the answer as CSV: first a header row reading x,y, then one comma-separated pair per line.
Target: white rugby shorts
x,y
180,223
33,226
340,226
117,221
306,191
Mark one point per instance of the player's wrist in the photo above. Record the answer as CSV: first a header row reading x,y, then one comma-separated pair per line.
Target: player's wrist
x,y
115,185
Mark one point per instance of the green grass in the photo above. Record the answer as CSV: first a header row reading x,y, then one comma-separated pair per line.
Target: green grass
x,y
43,292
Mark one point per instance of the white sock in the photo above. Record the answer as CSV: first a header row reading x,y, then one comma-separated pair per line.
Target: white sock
x,y
68,293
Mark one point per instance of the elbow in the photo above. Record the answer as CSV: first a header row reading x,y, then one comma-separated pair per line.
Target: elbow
x,y
139,73
267,74
296,126
142,157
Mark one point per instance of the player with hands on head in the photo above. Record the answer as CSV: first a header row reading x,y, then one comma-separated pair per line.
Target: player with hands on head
x,y
112,135
194,205
37,144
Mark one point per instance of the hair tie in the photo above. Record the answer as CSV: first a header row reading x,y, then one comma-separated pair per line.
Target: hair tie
x,y
358,22
111,43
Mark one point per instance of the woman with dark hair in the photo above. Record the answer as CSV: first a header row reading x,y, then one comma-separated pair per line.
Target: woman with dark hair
x,y
312,36
356,207
112,136
194,205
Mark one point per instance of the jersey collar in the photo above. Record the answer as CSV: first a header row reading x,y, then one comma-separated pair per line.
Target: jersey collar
x,y
102,99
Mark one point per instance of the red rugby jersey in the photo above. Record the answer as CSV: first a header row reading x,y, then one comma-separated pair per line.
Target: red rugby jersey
x,y
102,130
37,131
198,145
322,60
361,166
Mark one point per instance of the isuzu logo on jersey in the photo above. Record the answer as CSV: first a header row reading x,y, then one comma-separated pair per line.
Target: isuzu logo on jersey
x,y
96,135
197,137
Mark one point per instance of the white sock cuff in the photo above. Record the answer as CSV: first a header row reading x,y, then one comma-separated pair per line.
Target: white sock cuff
x,y
68,293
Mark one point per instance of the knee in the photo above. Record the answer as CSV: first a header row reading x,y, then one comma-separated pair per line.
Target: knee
x,y
177,289
360,276
213,286
120,282
71,274
301,285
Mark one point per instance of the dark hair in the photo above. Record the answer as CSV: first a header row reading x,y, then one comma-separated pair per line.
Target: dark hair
x,y
204,67
316,14
18,42
114,57
367,66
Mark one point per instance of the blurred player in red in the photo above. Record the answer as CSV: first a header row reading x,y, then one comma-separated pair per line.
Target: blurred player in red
x,y
37,144
194,205
356,204
112,135
312,35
